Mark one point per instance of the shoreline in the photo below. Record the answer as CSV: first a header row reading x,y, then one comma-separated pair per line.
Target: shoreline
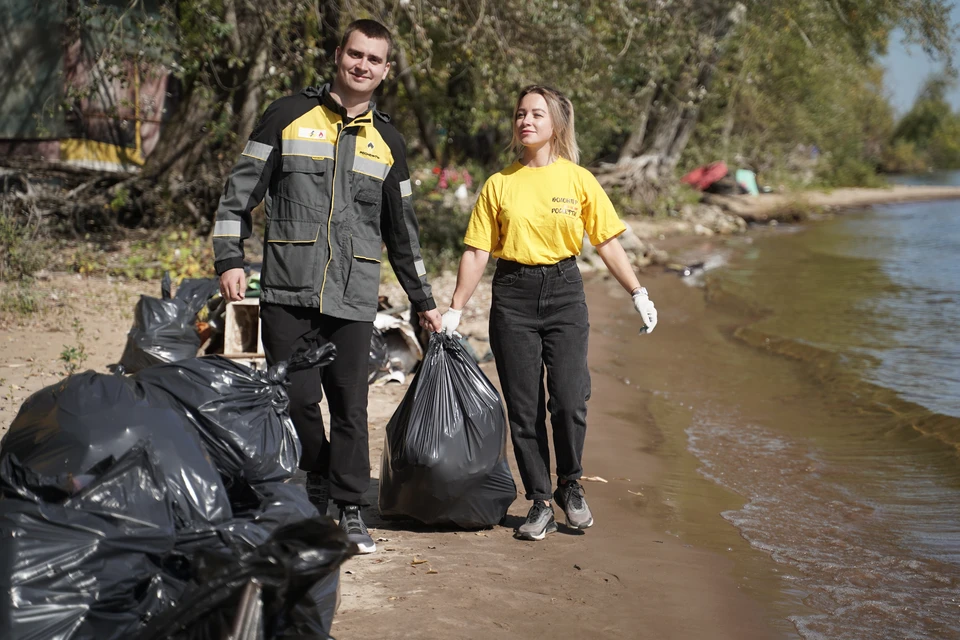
x,y
629,576
793,206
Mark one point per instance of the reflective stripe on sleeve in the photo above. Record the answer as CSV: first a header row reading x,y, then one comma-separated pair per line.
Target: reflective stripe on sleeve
x,y
227,228
405,189
421,270
257,150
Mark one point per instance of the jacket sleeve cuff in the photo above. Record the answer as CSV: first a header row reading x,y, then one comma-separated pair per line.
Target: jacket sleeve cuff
x,y
424,305
226,264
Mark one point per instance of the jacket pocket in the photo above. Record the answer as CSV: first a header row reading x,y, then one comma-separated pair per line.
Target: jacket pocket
x,y
363,278
367,202
290,255
304,182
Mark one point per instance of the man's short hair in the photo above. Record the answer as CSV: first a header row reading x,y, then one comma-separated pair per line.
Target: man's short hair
x,y
371,29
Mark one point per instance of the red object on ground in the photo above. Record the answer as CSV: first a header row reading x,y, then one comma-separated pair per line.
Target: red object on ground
x,y
702,177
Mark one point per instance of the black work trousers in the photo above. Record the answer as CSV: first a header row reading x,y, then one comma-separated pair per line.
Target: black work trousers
x,y
345,458
539,322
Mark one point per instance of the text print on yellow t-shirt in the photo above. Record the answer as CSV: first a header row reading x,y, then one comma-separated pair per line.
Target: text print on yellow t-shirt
x,y
565,206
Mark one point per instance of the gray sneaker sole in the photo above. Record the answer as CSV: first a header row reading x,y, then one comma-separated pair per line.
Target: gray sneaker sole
x,y
365,547
571,521
550,528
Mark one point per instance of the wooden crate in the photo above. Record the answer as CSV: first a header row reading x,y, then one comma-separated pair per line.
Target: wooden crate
x,y
242,340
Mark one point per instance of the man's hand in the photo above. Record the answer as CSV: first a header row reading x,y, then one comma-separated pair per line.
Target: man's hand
x,y
648,312
233,284
431,320
451,320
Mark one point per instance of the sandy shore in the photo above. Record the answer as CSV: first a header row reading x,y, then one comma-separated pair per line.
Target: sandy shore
x,y
789,206
627,577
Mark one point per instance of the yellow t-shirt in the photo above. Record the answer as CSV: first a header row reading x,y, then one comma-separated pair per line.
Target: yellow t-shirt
x,y
538,215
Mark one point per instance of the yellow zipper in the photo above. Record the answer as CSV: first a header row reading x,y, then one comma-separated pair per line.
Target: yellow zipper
x,y
333,192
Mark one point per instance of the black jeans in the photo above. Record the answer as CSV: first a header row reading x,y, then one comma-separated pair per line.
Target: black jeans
x,y
539,322
345,459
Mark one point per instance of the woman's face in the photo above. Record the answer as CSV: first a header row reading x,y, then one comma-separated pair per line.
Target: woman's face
x,y
532,122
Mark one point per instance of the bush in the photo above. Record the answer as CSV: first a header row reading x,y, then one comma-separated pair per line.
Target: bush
x,y
20,256
903,157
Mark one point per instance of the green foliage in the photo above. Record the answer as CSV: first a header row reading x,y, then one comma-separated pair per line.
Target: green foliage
x,y
20,256
19,300
442,226
181,252
121,198
928,136
75,355
903,157
793,77
944,149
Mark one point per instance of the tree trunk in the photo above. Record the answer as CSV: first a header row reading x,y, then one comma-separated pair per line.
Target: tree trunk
x,y
654,147
425,124
250,111
635,141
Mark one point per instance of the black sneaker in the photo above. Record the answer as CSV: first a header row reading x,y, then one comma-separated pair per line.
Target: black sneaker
x,y
570,498
539,522
318,491
352,524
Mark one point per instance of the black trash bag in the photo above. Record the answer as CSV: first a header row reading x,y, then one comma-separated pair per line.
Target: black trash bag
x,y
379,361
275,505
164,330
69,428
91,567
294,559
444,459
241,414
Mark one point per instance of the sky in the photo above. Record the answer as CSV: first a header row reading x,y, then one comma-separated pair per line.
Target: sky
x,y
908,67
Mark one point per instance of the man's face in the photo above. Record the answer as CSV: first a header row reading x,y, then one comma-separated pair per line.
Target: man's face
x,y
362,64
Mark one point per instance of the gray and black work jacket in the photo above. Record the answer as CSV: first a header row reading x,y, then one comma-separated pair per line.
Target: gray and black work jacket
x,y
335,189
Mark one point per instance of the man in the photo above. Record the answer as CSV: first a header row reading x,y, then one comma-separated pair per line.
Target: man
x,y
334,173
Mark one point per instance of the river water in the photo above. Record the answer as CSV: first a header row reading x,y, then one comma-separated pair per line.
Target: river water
x,y
813,400
853,489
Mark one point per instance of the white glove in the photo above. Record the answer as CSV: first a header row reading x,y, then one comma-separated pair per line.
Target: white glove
x,y
450,321
648,312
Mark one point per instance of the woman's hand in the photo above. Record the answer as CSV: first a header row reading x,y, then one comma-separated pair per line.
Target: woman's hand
x,y
451,320
648,313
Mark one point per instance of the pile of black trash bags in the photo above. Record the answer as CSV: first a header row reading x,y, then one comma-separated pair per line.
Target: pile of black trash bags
x,y
159,505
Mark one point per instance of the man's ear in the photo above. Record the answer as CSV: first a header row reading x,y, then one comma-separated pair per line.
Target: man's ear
x,y
386,71
336,57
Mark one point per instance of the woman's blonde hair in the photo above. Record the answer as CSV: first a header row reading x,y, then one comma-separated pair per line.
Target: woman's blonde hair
x,y
564,143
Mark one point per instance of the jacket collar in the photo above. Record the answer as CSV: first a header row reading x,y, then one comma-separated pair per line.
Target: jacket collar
x,y
322,94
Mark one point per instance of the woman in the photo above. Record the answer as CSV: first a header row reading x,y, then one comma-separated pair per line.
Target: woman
x,y
532,217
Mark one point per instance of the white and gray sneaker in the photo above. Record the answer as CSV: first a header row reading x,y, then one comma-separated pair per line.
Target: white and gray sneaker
x,y
352,525
539,522
570,498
